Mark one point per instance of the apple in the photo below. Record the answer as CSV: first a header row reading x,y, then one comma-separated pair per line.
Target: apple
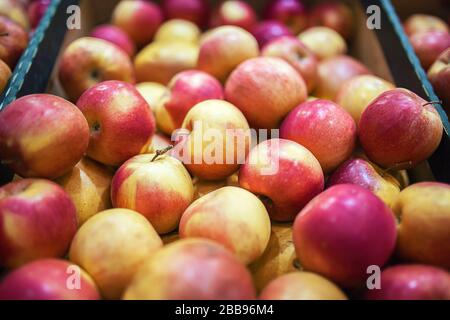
x,y
88,61
224,48
88,185
423,210
292,13
235,13
5,75
13,41
220,215
196,11
159,142
268,30
139,19
334,15
184,91
36,10
42,136
439,75
358,92
342,232
265,89
158,187
297,55
192,269
302,286
120,121
429,45
367,175
47,279
218,140
111,246
270,167
161,61
334,72
178,30
399,129
152,92
38,220
418,23
116,36
323,42
412,282
15,11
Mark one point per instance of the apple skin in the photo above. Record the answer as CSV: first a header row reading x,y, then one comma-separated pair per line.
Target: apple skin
x,y
429,45
423,210
235,13
439,75
88,185
184,91
37,220
196,11
369,176
120,121
36,10
111,247
46,279
323,42
290,160
5,75
160,190
334,15
255,85
88,61
323,127
292,13
139,19
116,36
412,282
223,49
418,23
161,61
14,43
178,30
302,286
268,30
358,92
297,55
14,10
220,214
152,92
413,129
343,231
334,72
42,136
169,274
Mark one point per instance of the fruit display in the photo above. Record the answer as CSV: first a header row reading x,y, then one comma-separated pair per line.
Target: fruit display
x,y
223,150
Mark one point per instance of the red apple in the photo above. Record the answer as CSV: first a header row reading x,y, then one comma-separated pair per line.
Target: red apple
x,y
418,23
429,45
268,30
335,15
37,220
287,159
36,11
235,13
42,136
292,13
399,129
13,41
116,36
5,75
439,75
196,11
342,232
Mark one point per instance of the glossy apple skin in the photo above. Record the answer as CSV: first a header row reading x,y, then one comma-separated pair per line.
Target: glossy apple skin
x,y
120,121
220,214
178,30
42,136
14,43
223,49
412,282
5,75
169,274
400,117
116,36
439,75
235,13
88,61
293,160
196,11
139,19
423,210
368,176
111,247
418,23
302,286
46,279
184,91
36,11
323,42
323,127
429,45
297,55
290,12
343,231
38,215
268,30
334,15
160,190
255,85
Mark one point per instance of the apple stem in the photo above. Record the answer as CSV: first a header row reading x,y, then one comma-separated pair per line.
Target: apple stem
x,y
161,152
396,167
432,102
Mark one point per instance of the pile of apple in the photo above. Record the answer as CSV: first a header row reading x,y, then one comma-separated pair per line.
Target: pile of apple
x,y
98,190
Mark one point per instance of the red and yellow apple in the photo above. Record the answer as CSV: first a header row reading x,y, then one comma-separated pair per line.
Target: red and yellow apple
x,y
234,13
418,23
13,41
116,36
178,30
439,75
323,42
